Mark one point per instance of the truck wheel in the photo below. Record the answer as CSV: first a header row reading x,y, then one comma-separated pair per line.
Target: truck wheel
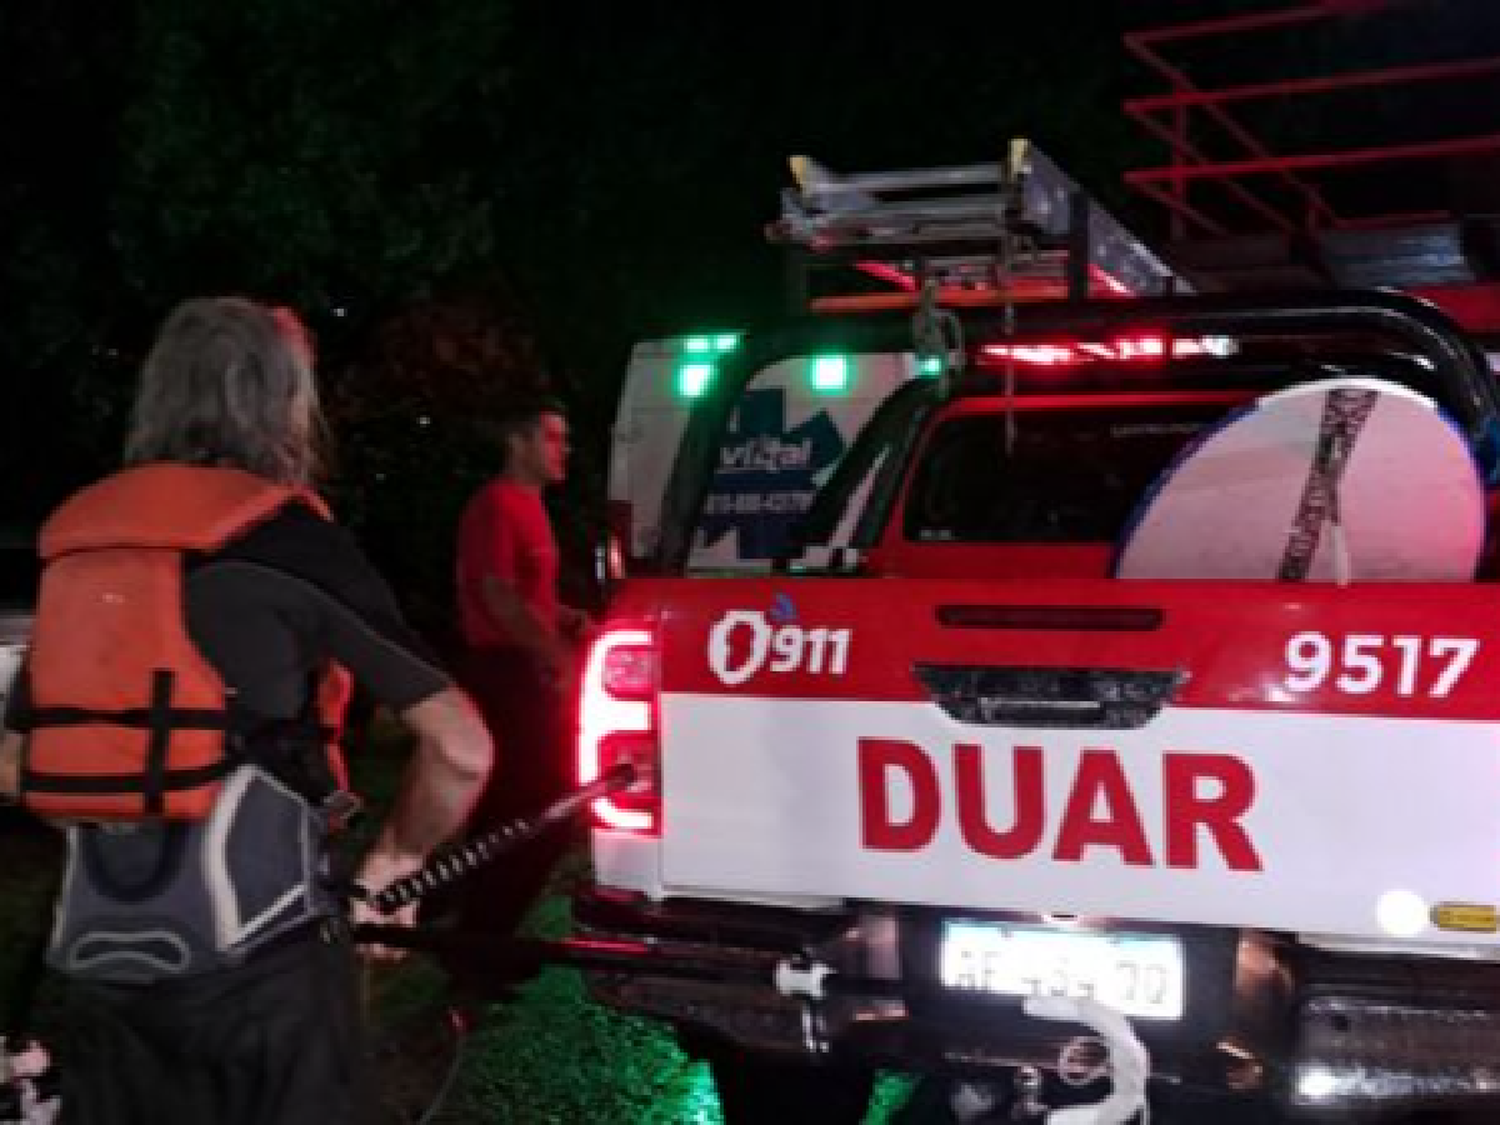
x,y
756,1090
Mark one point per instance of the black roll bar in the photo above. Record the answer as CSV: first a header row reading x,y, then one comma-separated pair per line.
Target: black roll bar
x,y
1461,380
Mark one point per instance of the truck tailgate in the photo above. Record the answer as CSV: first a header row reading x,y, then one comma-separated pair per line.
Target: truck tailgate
x,y
1299,757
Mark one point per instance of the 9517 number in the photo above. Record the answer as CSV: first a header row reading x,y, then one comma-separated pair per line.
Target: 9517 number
x,y
1361,663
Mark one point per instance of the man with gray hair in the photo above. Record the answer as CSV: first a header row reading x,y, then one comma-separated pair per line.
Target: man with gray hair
x,y
200,620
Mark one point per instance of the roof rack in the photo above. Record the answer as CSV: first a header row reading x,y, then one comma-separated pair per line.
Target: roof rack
x,y
1419,211
951,225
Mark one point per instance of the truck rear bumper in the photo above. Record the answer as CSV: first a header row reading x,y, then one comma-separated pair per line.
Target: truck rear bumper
x,y
1320,1033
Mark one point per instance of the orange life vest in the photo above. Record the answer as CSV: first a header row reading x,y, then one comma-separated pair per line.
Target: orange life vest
x,y
127,719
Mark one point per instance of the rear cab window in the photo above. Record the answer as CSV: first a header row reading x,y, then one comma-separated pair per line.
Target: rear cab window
x,y
1067,473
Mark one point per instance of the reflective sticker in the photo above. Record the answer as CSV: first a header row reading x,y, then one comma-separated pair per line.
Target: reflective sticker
x,y
1467,917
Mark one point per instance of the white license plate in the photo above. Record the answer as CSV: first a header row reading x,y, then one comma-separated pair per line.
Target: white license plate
x,y
1137,974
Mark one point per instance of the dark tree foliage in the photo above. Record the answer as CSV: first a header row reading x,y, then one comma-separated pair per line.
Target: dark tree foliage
x,y
409,416
465,196
338,157
333,153
60,81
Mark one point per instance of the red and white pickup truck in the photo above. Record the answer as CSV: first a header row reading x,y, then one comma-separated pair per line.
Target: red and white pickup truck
x,y
944,757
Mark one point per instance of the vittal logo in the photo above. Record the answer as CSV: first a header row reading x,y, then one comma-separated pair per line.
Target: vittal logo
x,y
767,473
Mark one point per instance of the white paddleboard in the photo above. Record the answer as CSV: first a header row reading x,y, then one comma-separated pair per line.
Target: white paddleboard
x,y
1340,480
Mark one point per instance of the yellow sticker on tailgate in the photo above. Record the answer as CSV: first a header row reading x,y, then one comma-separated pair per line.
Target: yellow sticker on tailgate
x,y
1467,917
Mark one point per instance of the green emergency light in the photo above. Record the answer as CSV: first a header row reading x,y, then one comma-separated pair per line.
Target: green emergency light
x,y
714,343
693,379
830,374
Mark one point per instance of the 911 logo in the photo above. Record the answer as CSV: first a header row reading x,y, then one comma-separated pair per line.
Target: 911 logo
x,y
744,642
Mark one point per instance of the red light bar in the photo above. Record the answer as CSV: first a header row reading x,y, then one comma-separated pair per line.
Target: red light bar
x,y
1145,348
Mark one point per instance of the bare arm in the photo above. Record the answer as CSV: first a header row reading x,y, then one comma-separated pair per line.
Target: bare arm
x,y
453,758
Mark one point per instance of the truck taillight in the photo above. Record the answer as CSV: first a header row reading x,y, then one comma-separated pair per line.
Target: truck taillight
x,y
617,723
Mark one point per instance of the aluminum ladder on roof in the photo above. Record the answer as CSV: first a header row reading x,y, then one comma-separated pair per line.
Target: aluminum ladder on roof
x,y
948,224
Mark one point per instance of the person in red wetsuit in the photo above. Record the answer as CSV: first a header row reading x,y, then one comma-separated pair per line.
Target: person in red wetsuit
x,y
519,641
